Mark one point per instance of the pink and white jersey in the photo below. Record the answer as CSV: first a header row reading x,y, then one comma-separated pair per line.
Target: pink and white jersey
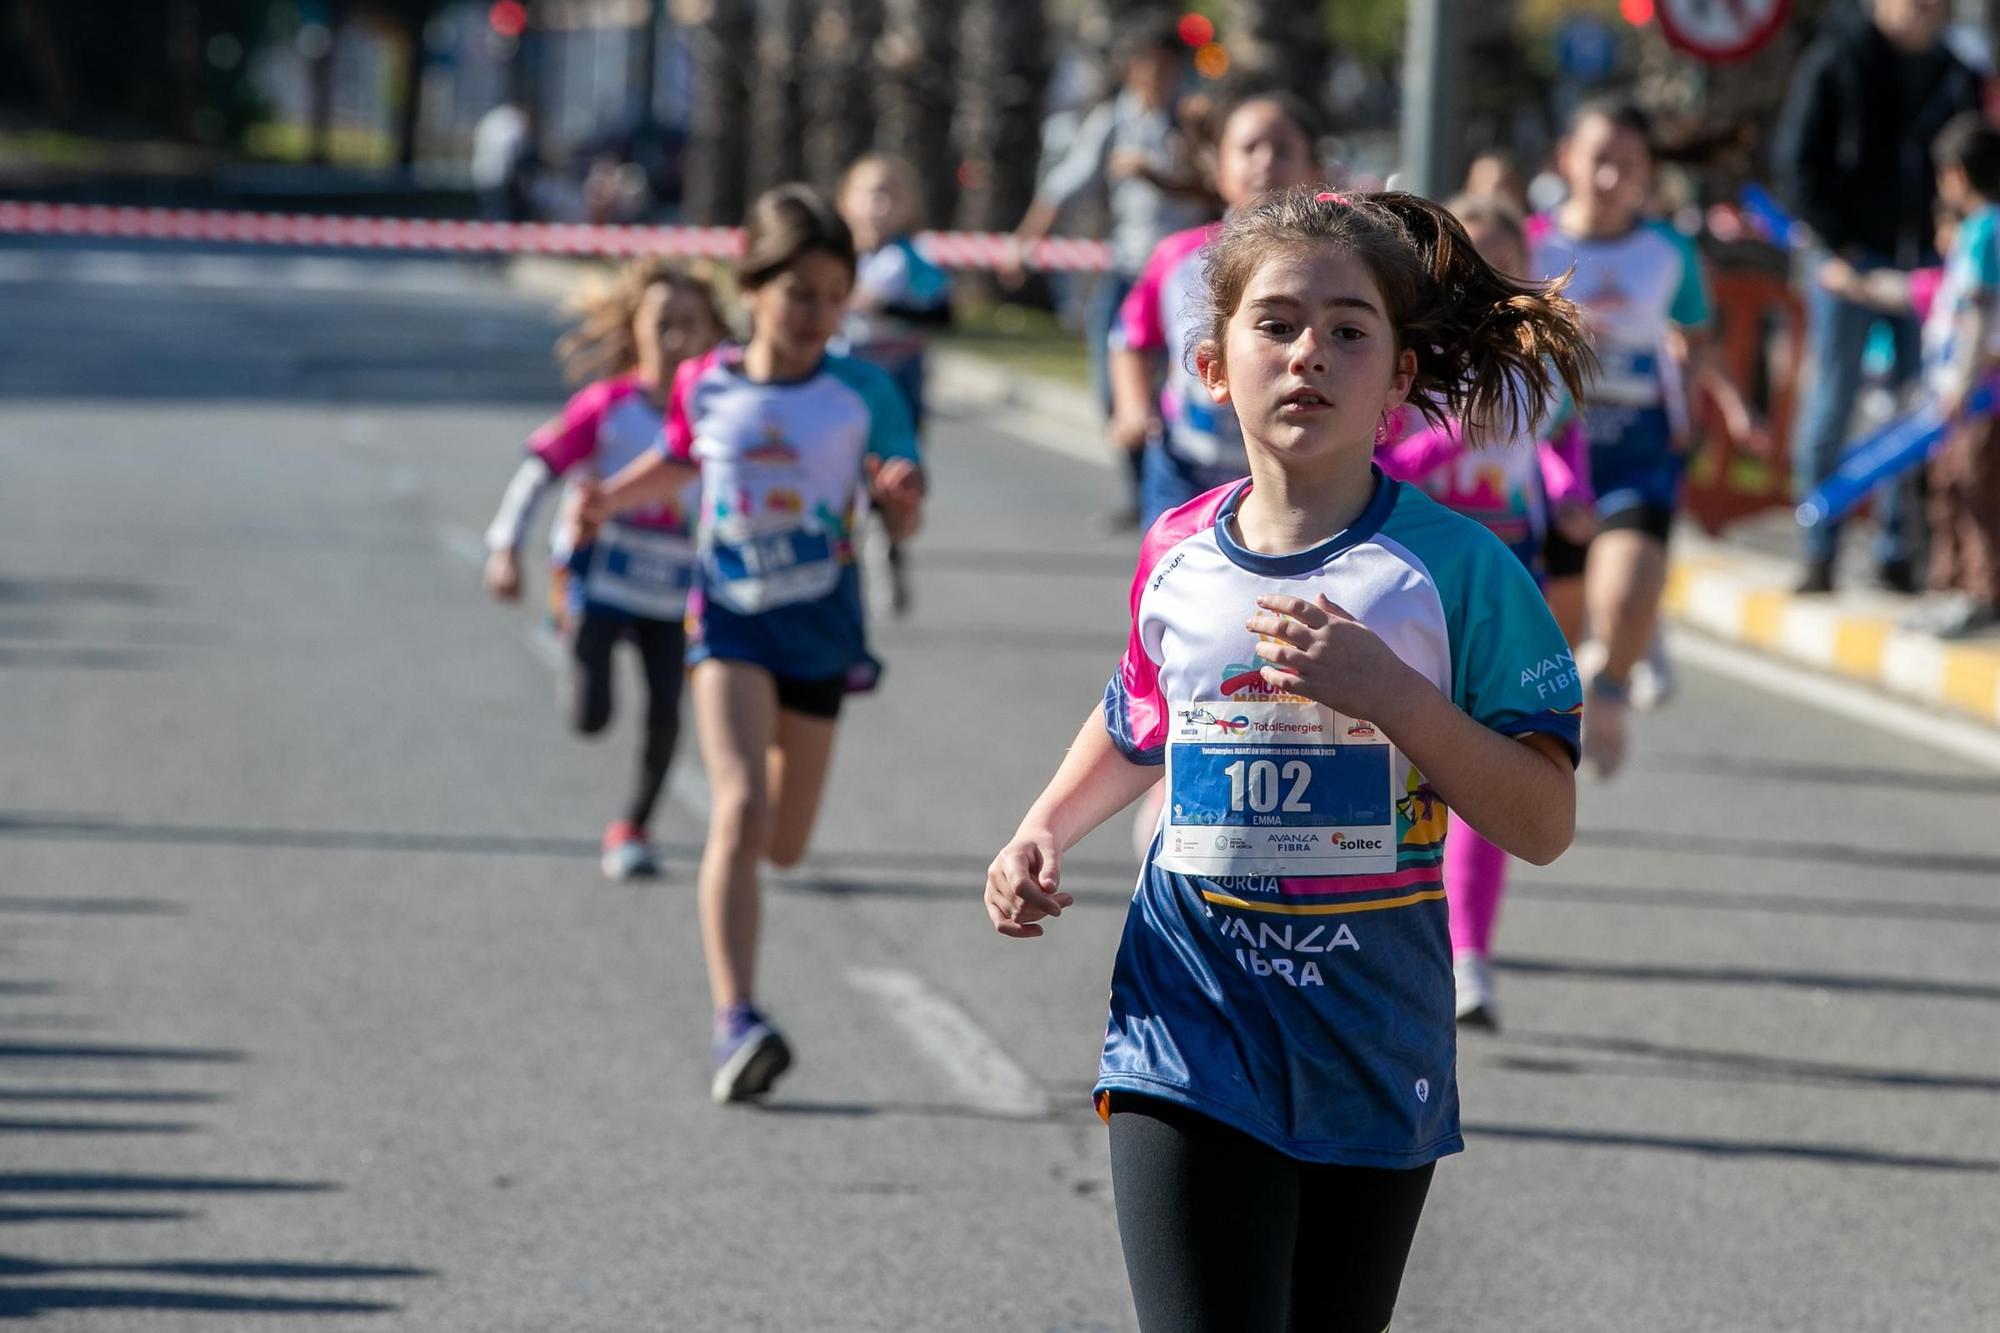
x,y
782,475
604,427
1162,314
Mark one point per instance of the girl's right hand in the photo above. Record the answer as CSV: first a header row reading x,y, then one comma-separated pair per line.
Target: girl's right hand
x,y
503,575
1021,884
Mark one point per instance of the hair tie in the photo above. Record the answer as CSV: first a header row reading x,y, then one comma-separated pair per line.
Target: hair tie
x,y
1331,197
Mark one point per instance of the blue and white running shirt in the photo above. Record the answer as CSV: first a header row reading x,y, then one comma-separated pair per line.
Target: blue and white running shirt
x,y
1285,966
783,495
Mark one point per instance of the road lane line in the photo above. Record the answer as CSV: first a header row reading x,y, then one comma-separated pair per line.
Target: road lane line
x,y
952,1041
1961,736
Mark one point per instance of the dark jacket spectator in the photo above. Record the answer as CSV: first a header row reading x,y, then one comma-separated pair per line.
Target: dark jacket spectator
x,y
1853,141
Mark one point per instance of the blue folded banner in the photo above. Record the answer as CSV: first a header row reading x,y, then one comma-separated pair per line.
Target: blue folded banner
x,y
1763,207
1890,452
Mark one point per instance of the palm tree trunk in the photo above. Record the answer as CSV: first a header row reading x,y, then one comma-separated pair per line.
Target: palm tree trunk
x,y
1286,43
777,101
919,49
1002,75
51,69
724,44
840,87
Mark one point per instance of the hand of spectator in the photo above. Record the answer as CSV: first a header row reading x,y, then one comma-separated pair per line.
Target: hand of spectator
x,y
1126,163
1130,430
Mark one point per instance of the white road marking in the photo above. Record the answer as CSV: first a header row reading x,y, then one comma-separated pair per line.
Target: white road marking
x,y
1961,736
951,1040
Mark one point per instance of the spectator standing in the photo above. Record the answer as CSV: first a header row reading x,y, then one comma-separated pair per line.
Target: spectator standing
x,y
1132,143
503,147
1853,152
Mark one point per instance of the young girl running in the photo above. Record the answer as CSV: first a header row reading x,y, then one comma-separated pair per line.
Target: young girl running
x,y
898,295
1265,140
792,447
1322,659
1517,484
630,584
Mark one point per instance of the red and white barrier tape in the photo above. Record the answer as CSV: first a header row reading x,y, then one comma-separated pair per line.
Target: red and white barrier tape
x,y
947,249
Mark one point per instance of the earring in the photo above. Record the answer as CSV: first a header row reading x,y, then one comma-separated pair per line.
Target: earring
x,y
1382,430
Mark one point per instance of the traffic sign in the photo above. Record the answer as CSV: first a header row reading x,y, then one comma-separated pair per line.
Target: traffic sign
x,y
1721,30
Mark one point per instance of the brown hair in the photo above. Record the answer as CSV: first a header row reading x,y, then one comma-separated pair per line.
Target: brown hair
x,y
600,343
1487,210
1489,348
786,222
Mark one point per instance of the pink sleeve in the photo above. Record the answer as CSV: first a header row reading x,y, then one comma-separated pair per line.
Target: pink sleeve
x,y
1139,326
678,434
1566,466
1924,284
572,437
1422,452
1135,711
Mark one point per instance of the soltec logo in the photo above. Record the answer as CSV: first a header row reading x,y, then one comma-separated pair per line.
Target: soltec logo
x,y
1347,842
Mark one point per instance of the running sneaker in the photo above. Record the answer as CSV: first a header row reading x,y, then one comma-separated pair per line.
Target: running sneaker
x,y
627,854
1971,618
749,1055
1652,683
1606,722
1472,976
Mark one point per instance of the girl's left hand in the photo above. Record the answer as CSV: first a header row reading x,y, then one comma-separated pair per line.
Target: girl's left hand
x,y
1318,650
897,489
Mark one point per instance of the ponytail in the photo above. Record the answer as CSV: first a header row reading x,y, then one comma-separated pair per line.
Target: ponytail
x,y
1491,350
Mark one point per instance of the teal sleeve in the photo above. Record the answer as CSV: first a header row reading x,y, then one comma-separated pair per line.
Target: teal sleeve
x,y
1511,667
1691,307
891,434
1983,248
929,284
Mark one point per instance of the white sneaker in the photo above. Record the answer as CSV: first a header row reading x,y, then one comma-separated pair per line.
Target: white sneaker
x,y
1652,682
1606,726
1472,976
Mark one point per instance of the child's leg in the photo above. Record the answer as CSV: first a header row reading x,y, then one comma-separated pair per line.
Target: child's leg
x,y
1979,512
1356,1224
796,768
736,715
1182,1182
1475,877
1946,574
590,672
663,648
1623,580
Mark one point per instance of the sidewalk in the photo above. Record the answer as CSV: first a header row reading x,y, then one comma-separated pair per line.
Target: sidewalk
x,y
1736,588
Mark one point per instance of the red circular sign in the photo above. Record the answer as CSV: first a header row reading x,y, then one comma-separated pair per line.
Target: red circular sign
x,y
1721,30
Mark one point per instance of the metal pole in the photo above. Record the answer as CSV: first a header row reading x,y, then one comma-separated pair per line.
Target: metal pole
x,y
1430,99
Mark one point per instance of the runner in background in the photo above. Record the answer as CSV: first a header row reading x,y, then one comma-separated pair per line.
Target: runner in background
x,y
1641,288
898,296
1523,479
1132,143
793,446
1321,659
630,585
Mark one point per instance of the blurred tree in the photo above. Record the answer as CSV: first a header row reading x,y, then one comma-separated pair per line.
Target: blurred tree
x,y
410,18
917,53
45,53
1002,73
777,97
840,87
1284,42
723,37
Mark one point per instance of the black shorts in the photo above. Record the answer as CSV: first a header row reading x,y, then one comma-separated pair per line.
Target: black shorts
x,y
812,698
1656,521
1561,557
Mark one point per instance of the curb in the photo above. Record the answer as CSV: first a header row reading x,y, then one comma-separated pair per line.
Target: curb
x,y
1743,597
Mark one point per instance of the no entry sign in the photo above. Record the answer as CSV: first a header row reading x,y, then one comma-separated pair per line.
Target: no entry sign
x,y
1720,30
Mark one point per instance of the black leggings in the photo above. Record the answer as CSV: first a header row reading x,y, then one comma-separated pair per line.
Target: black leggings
x,y
662,646
1223,1232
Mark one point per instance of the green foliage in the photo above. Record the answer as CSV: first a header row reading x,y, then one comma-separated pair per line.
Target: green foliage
x,y
1371,31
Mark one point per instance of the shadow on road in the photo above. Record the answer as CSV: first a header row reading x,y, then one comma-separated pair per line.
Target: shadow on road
x,y
1693,1062
1830,1154
1586,970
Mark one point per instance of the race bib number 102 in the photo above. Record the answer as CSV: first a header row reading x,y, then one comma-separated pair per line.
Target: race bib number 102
x,y
1277,789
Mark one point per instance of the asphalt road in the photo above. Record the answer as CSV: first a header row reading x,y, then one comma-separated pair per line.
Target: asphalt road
x,y
313,1004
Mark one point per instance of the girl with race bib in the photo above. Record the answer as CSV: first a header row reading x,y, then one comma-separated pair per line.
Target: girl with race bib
x,y
1519,484
631,584
793,447
1322,659
1265,139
